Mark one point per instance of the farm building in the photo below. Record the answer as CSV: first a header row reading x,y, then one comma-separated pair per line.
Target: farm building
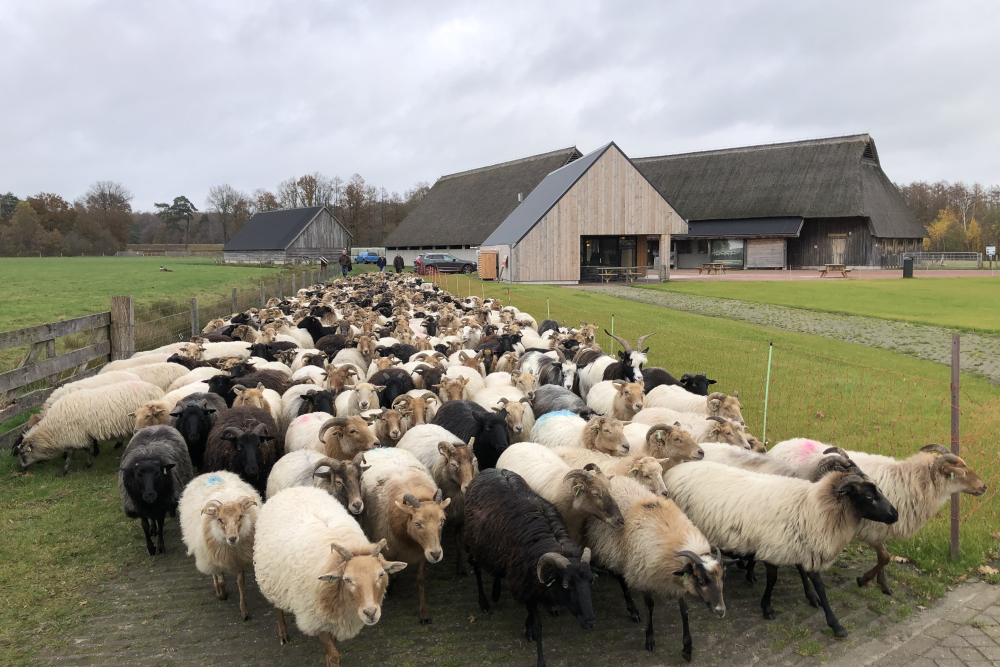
x,y
289,236
594,216
799,204
462,209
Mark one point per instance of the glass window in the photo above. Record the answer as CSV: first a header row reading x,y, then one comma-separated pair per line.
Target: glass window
x,y
448,258
683,247
728,251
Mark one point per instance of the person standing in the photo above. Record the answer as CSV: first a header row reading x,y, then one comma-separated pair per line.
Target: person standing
x,y
398,263
380,263
345,262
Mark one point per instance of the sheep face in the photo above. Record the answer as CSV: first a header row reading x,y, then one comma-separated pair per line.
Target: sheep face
x,y
348,436
423,345
756,445
507,363
153,413
727,407
317,401
424,523
361,579
451,389
340,376
696,384
606,434
672,442
515,413
390,426
367,395
648,471
731,433
958,476
366,346
228,523
35,446
251,398
525,382
701,576
460,463
569,581
148,480
866,498
342,480
629,399
592,494
247,449
569,374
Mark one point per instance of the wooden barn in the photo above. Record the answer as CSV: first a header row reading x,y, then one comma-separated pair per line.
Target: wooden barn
x,y
289,236
802,204
594,216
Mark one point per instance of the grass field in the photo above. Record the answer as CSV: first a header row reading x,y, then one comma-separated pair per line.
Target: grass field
x,y
963,303
61,536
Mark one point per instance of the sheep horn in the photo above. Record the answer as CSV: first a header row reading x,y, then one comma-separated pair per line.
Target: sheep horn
x,y
945,458
329,423
721,420
557,561
502,400
687,376
427,394
411,500
344,553
940,449
836,450
594,468
624,343
332,464
259,428
717,395
850,479
230,431
378,547
642,339
525,399
585,558
718,554
691,556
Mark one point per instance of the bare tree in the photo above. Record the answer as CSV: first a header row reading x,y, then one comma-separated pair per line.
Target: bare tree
x,y
288,193
223,199
262,201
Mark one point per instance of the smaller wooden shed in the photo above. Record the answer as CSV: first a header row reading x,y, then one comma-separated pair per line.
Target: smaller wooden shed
x,y
289,236
594,215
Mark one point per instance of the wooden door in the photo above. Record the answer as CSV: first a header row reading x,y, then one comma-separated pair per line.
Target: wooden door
x,y
838,248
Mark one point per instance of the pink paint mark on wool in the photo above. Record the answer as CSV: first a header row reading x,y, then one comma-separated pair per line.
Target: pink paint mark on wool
x,y
807,449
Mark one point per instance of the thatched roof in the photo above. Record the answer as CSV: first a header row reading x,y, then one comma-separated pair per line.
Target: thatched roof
x,y
822,178
275,230
465,208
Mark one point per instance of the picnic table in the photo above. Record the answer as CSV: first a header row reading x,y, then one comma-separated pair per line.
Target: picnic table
x,y
835,268
708,267
607,275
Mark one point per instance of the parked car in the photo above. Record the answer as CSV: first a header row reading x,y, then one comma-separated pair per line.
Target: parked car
x,y
366,258
444,263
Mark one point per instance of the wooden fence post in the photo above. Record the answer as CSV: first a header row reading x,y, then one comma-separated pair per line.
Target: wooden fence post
x,y
122,328
194,317
281,289
262,299
956,423
236,303
293,285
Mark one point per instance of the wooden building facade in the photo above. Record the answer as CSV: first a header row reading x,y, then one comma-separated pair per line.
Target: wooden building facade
x,y
596,213
289,236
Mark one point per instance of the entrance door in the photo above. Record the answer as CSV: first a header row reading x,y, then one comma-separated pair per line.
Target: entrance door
x,y
838,247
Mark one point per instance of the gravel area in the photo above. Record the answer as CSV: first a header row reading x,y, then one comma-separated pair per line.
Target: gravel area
x,y
980,353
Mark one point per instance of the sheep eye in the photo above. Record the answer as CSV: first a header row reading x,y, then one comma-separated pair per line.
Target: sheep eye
x,y
418,525
221,521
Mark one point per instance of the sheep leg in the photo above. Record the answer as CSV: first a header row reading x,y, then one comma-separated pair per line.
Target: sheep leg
x,y
647,597
220,586
118,445
806,586
483,602
160,548
97,448
425,616
496,588
282,628
69,458
751,564
884,557
241,582
765,602
90,461
462,572
533,630
686,651
831,620
332,654
633,611
149,540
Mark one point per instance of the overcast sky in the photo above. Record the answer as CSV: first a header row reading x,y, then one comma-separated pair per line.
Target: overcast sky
x,y
172,97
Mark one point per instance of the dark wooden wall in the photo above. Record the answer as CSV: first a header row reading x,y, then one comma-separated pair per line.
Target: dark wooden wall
x,y
814,248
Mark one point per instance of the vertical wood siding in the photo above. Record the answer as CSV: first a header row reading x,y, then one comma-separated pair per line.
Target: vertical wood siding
x,y
323,236
611,198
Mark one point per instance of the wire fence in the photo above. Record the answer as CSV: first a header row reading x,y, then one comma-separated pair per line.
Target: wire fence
x,y
832,400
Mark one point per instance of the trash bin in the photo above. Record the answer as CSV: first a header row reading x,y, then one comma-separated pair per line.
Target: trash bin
x,y
907,267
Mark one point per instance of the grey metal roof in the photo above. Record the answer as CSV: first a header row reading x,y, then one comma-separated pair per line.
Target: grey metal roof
x,y
743,228
822,178
466,207
542,199
274,230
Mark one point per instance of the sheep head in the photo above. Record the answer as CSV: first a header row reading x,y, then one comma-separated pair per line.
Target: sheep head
x,y
569,581
460,462
629,399
252,398
729,432
342,480
345,437
672,442
727,407
864,496
390,427
515,413
701,576
591,492
152,413
366,576
451,389
606,435
525,382
954,470
648,471
229,523
424,522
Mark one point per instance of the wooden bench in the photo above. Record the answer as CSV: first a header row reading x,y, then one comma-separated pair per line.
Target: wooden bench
x,y
607,275
835,268
708,267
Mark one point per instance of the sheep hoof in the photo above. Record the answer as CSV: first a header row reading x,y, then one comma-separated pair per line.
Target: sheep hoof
x,y
246,617
839,632
861,582
425,621
886,590
769,615
635,617
651,644
686,653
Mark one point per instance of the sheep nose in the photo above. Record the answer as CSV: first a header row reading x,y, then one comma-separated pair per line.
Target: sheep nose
x,y
252,472
701,454
436,556
357,506
149,497
364,405
719,610
517,429
371,615
394,435
232,540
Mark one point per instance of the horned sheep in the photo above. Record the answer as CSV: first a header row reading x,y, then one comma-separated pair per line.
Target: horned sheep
x,y
565,429
715,404
307,467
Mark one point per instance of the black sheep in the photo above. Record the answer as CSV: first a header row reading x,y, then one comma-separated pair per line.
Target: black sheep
x,y
317,401
276,380
696,384
469,420
187,362
153,472
316,328
548,325
223,386
244,441
553,398
512,532
401,351
331,345
194,416
396,382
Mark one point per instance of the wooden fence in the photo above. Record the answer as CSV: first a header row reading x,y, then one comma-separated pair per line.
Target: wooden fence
x,y
112,336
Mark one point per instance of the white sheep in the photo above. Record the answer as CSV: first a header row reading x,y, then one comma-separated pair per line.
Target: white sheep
x,y
84,418
197,375
217,512
312,559
162,375
314,374
299,361
646,470
565,429
291,400
265,365
578,493
616,398
702,429
303,432
226,349
678,398
138,359
474,382
354,401
350,355
100,380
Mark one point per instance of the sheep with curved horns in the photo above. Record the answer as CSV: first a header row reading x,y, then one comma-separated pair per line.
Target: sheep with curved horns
x,y
917,486
779,520
217,512
617,399
594,368
663,441
578,493
646,470
565,429
405,508
307,467
658,551
715,404
419,407
312,559
556,371
702,429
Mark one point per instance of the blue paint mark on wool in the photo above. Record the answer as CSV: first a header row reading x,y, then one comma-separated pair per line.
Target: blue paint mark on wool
x,y
559,413
214,479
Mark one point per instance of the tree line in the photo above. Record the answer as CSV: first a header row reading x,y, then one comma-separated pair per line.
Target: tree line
x,y
102,221
958,217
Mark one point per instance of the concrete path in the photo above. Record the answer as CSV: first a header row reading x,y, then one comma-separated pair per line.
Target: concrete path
x,y
980,354
811,274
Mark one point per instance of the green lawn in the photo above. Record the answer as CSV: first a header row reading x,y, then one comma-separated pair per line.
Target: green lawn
x,y
964,303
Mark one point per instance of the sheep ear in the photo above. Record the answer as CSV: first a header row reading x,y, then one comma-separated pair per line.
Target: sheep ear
x,y
331,577
247,502
260,386
172,414
131,414
688,569
394,567
713,405
446,449
445,503
406,508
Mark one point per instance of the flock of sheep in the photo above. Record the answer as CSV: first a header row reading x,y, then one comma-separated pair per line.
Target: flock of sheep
x,y
369,412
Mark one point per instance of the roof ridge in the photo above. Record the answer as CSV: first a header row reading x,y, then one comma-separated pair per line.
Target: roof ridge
x,y
509,163
864,136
